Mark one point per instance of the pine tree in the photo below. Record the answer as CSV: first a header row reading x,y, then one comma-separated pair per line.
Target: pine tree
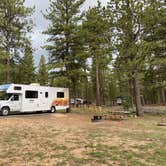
x,y
127,20
42,75
26,68
2,63
2,67
134,24
14,25
97,29
65,42
154,25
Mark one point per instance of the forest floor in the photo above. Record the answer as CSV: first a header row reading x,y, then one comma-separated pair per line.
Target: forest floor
x,y
72,139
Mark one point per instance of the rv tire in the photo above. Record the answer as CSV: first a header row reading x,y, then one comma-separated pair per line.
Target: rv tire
x,y
67,110
5,111
52,109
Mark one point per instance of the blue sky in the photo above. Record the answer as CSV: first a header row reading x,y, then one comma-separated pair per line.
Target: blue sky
x,y
41,24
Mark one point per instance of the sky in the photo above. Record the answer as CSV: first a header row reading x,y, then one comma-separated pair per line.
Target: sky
x,y
41,24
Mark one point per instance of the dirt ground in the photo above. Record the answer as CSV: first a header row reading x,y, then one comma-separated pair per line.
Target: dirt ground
x,y
72,139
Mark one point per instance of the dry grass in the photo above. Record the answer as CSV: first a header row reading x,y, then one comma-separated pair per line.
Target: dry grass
x,y
71,139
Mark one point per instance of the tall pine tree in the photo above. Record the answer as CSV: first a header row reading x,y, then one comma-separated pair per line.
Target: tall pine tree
x,y
96,27
42,75
134,24
154,25
26,68
65,42
14,25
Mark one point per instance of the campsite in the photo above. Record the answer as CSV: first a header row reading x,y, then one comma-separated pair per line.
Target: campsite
x,y
72,139
82,82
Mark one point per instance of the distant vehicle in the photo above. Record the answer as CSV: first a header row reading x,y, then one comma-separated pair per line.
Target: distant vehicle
x,y
32,98
119,100
77,101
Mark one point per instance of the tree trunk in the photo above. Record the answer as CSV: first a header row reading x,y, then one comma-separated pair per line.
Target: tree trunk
x,y
131,94
8,70
7,51
142,100
145,98
139,110
7,61
158,97
97,85
163,96
86,89
74,90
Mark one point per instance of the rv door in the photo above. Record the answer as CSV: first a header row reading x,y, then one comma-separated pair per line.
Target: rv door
x,y
15,102
30,102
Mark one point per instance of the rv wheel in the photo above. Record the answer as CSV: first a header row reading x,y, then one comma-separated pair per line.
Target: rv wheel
x,y
53,109
5,111
67,110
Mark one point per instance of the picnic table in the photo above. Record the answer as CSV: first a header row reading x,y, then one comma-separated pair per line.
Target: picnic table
x,y
112,115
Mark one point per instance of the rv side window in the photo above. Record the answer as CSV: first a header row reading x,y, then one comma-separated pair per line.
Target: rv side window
x,y
31,94
15,98
46,94
60,94
17,88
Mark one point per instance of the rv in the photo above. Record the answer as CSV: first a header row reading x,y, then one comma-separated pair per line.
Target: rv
x,y
32,98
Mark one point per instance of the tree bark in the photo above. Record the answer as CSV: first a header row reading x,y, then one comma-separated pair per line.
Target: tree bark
x,y
98,98
142,100
131,94
7,51
163,96
86,89
158,97
139,110
8,70
74,90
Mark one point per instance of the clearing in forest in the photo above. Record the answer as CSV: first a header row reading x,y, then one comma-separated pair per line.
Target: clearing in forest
x,y
72,139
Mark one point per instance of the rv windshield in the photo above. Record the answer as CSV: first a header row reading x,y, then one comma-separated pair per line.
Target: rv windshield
x,y
5,96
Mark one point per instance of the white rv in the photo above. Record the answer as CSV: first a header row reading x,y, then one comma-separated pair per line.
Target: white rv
x,y
32,98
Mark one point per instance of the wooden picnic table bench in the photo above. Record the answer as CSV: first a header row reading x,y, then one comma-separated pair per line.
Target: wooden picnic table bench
x,y
113,115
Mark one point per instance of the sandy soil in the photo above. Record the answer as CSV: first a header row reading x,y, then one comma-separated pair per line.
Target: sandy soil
x,y
72,139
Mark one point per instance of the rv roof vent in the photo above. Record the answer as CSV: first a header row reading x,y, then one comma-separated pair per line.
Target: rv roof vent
x,y
35,84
